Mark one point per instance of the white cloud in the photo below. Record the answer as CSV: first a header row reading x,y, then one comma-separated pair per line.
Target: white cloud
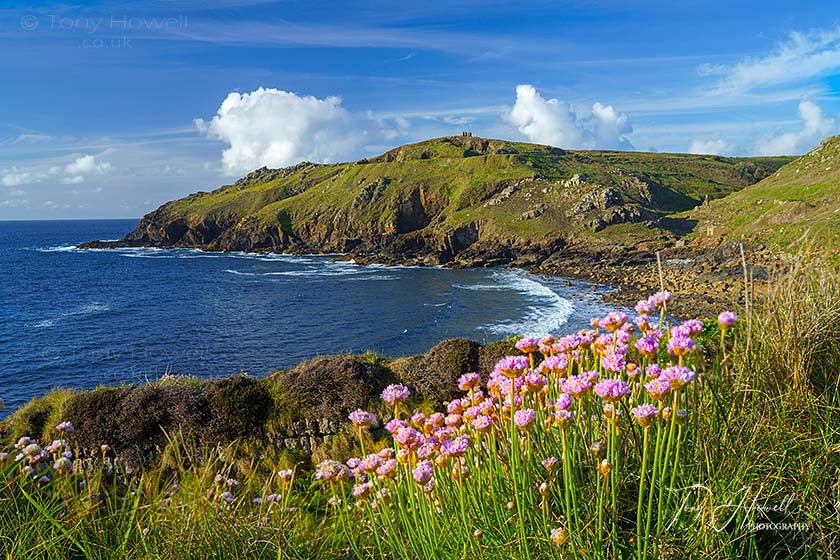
x,y
801,56
14,178
74,180
87,164
275,128
554,122
816,125
717,147
610,127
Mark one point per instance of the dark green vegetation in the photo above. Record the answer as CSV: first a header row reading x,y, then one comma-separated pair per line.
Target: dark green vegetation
x,y
297,410
458,200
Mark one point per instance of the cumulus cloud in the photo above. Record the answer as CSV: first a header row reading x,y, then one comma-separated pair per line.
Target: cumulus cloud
x,y
87,164
14,178
275,128
716,147
555,122
816,125
74,180
801,56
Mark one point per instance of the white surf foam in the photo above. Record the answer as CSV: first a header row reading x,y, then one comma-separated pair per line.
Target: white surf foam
x,y
548,312
58,249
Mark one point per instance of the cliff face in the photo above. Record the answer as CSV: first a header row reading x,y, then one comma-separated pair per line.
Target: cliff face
x,y
457,200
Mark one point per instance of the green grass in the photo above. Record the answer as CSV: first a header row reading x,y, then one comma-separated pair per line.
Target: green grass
x,y
455,177
761,445
796,205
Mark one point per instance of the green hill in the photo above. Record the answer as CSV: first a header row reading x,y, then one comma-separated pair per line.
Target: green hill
x,y
797,205
460,200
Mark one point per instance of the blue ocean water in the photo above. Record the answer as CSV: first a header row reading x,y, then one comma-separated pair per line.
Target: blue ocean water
x,y
73,318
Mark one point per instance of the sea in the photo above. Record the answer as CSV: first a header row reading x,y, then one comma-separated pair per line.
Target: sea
x,y
82,318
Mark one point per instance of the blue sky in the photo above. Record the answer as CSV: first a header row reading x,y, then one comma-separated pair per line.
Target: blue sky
x,y
108,109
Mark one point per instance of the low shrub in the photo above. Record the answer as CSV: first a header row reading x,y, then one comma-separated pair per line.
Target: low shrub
x,y
329,388
433,375
239,407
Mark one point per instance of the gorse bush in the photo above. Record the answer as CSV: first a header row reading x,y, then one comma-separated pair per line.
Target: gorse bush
x,y
637,438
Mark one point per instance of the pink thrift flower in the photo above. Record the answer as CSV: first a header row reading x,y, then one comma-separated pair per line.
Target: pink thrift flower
x,y
680,346
613,362
612,389
658,388
726,319
645,415
614,320
469,381
524,418
361,418
423,472
527,345
395,394
679,376
512,366
647,345
577,385
645,307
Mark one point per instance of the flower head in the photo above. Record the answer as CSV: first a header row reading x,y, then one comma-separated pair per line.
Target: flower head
x,y
645,307
693,326
361,418
512,366
482,424
329,470
395,394
559,536
614,362
577,385
645,414
527,345
554,365
658,388
469,381
659,299
613,321
549,463
63,465
534,382
65,427
455,447
524,418
680,346
612,389
423,472
678,376
647,345
564,401
726,319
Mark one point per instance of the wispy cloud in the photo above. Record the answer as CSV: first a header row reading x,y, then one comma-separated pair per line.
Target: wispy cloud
x,y
801,56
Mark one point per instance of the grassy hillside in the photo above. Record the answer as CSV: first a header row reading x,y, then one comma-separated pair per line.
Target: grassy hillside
x,y
436,198
798,204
